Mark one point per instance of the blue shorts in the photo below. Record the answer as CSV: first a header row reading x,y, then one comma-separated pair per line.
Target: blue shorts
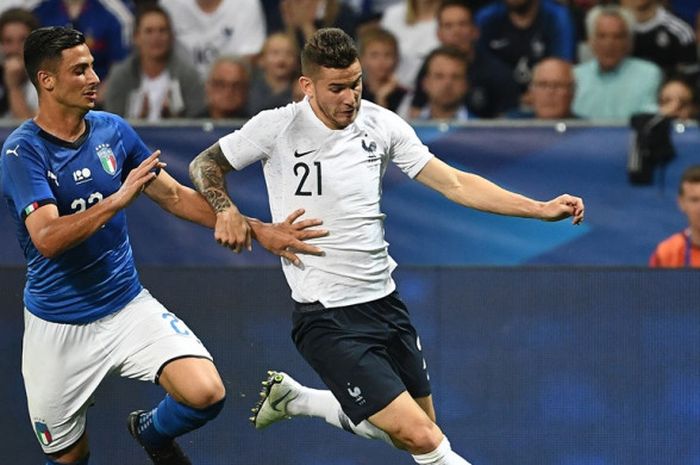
x,y
367,354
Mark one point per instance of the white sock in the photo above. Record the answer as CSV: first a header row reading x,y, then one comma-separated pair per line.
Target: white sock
x,y
322,404
443,455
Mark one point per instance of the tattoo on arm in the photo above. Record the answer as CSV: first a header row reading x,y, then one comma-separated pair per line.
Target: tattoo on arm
x,y
207,172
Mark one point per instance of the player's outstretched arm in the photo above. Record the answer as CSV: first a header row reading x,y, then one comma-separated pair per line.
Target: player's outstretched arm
x,y
181,201
208,173
53,234
479,193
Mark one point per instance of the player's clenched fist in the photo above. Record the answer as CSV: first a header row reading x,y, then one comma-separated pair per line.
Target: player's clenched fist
x,y
232,230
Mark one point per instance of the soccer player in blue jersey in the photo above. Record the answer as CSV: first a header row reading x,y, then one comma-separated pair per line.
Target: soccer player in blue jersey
x,y
67,176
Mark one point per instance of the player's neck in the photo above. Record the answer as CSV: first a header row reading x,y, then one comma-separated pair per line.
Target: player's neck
x,y
66,125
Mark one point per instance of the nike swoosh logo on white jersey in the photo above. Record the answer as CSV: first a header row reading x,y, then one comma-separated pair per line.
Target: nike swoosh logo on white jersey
x,y
298,154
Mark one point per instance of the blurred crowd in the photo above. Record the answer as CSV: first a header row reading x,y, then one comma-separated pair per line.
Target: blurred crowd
x,y
449,60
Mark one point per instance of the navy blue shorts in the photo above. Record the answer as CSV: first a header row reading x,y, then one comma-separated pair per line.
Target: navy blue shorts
x,y
367,354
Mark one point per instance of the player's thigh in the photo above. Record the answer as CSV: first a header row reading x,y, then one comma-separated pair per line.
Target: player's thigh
x,y
147,337
426,403
62,366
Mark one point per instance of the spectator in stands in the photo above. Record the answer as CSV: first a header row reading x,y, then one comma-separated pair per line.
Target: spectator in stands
x,y
613,85
154,82
379,56
445,84
208,29
227,89
371,11
492,90
661,37
683,248
18,98
552,91
106,24
273,77
523,32
302,18
414,24
678,99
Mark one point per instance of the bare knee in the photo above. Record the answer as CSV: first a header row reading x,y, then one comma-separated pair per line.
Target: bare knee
x,y
193,382
418,438
206,393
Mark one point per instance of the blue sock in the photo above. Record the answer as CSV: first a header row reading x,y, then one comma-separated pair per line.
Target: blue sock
x,y
172,419
83,461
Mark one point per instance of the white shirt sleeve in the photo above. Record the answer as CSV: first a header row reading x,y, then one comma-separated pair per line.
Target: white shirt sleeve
x,y
255,140
407,152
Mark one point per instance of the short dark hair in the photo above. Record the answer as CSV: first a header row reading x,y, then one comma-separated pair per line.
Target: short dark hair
x,y
445,4
691,175
46,44
330,48
449,52
18,15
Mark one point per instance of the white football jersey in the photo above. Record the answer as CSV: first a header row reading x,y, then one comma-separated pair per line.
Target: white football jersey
x,y
236,28
335,175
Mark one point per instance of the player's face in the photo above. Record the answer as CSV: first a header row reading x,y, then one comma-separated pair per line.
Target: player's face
x,y
74,82
689,203
335,94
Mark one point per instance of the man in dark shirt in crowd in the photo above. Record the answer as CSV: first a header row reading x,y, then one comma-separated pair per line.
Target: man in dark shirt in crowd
x,y
523,32
492,90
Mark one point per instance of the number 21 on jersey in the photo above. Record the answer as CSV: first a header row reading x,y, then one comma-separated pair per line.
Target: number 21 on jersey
x,y
309,177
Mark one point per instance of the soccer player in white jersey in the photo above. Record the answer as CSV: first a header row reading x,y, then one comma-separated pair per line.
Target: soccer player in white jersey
x,y
67,176
328,153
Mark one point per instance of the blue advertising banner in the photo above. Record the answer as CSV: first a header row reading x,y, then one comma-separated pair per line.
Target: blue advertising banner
x,y
623,222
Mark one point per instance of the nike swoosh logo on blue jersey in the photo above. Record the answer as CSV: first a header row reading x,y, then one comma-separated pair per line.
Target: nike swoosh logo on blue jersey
x,y
277,402
301,154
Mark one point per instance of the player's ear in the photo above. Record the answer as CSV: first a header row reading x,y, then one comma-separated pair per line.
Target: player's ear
x,y
307,86
46,80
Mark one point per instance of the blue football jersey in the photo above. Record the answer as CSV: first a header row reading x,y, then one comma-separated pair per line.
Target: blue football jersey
x,y
96,277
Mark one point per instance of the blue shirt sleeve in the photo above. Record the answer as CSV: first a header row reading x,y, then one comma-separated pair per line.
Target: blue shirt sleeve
x,y
25,177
